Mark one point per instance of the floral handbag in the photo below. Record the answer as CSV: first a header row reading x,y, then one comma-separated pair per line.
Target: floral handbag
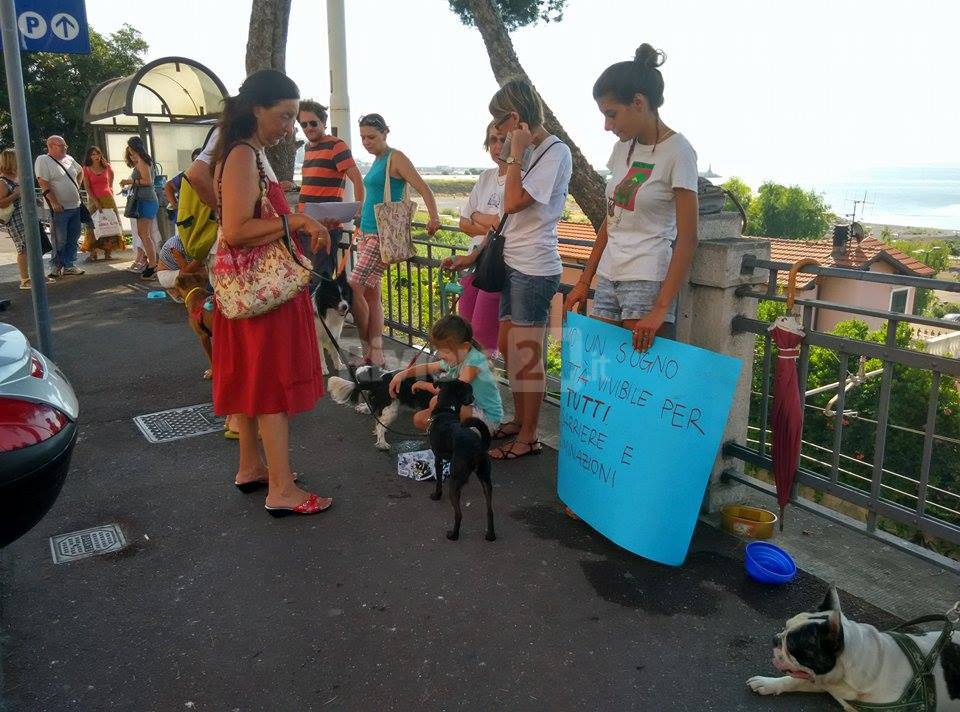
x,y
394,219
249,281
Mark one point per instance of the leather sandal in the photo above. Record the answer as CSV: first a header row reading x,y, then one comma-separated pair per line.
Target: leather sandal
x,y
507,453
501,434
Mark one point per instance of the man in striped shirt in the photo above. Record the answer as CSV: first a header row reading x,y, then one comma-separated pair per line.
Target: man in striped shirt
x,y
327,163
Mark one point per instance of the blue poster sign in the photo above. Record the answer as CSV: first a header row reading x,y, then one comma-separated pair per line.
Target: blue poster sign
x,y
55,26
639,433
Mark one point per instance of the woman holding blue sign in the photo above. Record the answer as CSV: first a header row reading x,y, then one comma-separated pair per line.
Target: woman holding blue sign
x,y
645,246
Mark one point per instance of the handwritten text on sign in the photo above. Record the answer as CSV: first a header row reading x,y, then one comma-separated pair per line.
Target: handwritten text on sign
x,y
639,433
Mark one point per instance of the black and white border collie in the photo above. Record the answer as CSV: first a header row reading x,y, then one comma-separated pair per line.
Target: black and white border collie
x,y
332,300
370,387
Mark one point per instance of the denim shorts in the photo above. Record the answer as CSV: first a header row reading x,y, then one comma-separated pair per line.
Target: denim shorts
x,y
525,299
630,299
147,210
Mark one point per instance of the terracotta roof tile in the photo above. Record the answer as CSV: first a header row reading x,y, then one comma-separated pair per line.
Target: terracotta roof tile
x,y
575,231
857,256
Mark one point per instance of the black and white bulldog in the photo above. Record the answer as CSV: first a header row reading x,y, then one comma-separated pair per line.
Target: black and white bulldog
x,y
855,663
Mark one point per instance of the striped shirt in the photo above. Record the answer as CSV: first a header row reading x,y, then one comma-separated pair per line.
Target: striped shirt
x,y
325,165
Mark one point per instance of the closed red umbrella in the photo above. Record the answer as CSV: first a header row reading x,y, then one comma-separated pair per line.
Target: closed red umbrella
x,y
787,423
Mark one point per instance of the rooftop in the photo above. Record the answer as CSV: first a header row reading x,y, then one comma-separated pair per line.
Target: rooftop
x,y
857,256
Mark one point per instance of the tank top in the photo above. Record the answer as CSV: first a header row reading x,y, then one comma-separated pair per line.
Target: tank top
x,y
373,191
145,193
99,182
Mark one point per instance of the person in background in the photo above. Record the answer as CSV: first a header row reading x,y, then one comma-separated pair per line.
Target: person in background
x,y
141,187
171,189
539,166
481,215
267,367
98,183
366,277
327,163
646,244
10,196
58,174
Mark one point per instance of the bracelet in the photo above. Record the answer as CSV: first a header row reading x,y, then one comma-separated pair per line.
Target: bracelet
x,y
286,224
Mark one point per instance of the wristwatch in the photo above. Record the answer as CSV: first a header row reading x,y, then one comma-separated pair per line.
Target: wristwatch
x,y
510,160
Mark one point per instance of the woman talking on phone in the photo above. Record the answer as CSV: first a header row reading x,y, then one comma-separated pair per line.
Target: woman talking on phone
x,y
535,191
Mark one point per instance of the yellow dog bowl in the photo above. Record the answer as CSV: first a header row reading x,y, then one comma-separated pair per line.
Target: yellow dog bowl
x,y
752,522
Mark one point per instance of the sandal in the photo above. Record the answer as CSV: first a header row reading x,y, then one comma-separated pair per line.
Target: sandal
x,y
507,453
501,434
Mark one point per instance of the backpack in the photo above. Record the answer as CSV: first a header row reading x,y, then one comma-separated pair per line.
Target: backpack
x,y
196,222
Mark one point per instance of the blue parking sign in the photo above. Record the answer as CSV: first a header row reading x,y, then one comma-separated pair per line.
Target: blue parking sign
x,y
55,26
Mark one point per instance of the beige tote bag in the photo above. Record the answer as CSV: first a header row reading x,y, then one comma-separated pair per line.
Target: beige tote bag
x,y
394,220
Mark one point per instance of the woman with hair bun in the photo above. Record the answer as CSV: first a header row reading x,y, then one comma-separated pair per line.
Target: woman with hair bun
x,y
645,245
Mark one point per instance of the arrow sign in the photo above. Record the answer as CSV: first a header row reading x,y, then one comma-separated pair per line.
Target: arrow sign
x,y
65,27
61,29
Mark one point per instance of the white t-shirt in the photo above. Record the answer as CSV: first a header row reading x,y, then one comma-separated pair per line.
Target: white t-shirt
x,y
530,236
206,155
485,198
61,186
641,232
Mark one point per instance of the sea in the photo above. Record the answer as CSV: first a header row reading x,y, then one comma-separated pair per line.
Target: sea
x,y
914,196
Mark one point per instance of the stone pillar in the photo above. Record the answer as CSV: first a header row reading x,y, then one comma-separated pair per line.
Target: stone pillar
x,y
707,308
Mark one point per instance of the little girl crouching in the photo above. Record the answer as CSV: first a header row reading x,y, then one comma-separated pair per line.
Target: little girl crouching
x,y
461,358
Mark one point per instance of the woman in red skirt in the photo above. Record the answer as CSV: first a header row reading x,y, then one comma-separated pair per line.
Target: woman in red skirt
x,y
267,367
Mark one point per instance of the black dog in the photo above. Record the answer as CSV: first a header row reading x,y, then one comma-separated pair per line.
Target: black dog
x,y
464,445
373,383
331,300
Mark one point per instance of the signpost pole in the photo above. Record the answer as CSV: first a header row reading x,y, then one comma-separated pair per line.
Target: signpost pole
x,y
21,141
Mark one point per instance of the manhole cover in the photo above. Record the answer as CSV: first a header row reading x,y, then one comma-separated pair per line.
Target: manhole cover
x,y
179,423
89,542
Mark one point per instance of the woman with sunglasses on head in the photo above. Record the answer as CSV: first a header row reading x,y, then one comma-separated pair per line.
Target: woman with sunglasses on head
x,y
539,166
365,279
645,247
478,217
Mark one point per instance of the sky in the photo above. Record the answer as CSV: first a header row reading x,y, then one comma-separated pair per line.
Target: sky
x,y
788,91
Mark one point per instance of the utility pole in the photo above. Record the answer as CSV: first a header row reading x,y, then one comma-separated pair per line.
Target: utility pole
x,y
21,141
340,123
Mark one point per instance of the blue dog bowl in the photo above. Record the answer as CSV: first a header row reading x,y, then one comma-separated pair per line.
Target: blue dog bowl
x,y
156,295
767,563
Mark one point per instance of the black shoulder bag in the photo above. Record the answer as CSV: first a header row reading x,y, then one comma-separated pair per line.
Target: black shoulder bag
x,y
490,271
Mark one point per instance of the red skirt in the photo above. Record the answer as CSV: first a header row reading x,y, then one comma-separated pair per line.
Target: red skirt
x,y
268,363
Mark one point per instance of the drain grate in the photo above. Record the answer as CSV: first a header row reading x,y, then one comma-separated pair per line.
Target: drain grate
x,y
179,423
89,542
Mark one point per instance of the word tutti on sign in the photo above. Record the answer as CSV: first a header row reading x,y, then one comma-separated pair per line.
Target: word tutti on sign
x,y
639,434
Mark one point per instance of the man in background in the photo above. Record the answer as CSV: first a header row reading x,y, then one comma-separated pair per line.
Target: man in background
x,y
327,163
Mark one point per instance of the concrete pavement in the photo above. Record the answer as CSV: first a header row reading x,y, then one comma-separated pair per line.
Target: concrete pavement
x,y
216,606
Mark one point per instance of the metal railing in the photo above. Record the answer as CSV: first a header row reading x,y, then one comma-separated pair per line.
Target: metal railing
x,y
412,299
862,479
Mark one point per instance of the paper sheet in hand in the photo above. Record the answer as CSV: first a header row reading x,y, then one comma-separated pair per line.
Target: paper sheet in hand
x,y
639,434
323,212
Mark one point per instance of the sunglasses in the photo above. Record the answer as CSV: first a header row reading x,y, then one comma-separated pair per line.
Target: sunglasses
x,y
501,122
374,121
305,124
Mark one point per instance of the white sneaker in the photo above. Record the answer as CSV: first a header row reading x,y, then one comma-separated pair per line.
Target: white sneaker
x,y
72,269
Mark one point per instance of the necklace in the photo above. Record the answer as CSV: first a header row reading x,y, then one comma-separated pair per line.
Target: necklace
x,y
615,211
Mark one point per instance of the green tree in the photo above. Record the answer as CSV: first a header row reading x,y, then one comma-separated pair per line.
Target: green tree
x,y
515,13
57,86
781,211
740,190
